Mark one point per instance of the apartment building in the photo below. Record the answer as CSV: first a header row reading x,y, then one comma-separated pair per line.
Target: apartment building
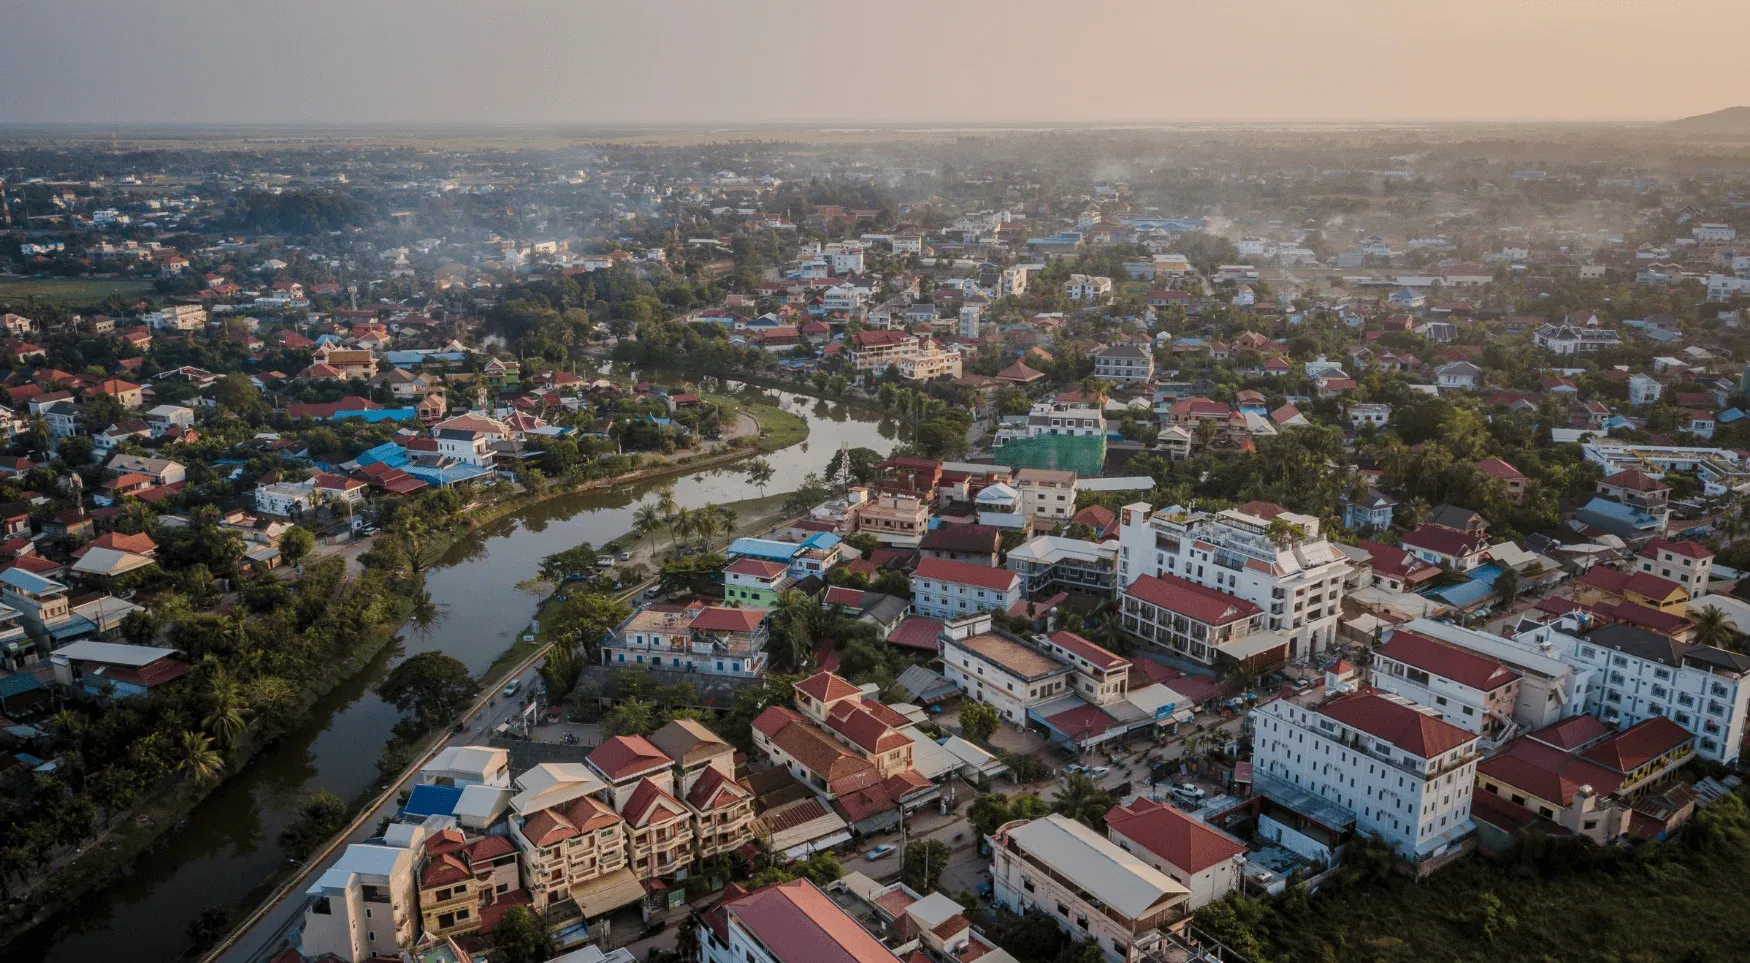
x,y
873,351
705,778
367,904
893,518
573,845
791,922
755,582
941,589
930,360
863,725
1125,364
1195,622
1471,691
1050,563
1092,889
995,667
1206,861
1638,675
466,885
1087,287
1689,564
1047,495
1584,775
1550,688
1075,419
1276,560
1402,773
706,639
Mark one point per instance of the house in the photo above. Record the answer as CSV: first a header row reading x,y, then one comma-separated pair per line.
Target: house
x,y
1601,584
1127,363
162,418
710,640
704,767
1569,339
466,886
1377,415
1373,510
111,670
366,905
1469,690
1584,776
1051,563
162,471
792,922
1438,545
1636,489
1458,376
1399,771
126,393
574,847
755,582
1689,564
1498,470
1643,390
1108,897
1209,863
978,544
285,498
1087,287
944,589
1047,495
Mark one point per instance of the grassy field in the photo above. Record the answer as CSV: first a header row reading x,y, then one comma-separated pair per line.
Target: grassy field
x,y
70,292
779,429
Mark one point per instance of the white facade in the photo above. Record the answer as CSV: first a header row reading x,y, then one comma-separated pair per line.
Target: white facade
x,y
1376,415
1087,287
942,590
180,317
1416,798
1298,583
285,498
1642,390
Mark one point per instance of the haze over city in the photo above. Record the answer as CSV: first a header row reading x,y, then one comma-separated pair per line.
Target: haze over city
x,y
903,61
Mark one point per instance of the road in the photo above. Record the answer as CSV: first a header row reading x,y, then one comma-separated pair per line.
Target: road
x,y
275,929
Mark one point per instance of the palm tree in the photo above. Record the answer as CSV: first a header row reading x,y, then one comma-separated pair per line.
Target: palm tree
x,y
790,626
227,716
1712,628
1096,390
665,502
1081,799
683,524
648,519
197,757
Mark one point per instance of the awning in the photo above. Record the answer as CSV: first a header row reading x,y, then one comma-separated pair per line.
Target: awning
x,y
1255,644
605,894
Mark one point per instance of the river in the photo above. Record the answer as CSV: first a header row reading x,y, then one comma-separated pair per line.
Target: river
x,y
229,845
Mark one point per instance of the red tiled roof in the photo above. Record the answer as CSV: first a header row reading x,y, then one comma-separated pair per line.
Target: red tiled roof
x,y
966,573
623,756
1398,724
1639,744
1687,549
1185,843
1634,480
1445,541
1096,656
1448,661
1546,772
859,725
797,923
1187,598
756,568
715,619
1082,722
826,687
1496,468
1392,560
963,538
1572,733
917,632
650,805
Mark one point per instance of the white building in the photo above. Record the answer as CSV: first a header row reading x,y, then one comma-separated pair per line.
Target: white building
x,y
1405,775
1643,390
1192,853
178,317
1127,363
1714,233
1637,674
1047,494
1721,287
1087,287
1377,415
285,498
1469,690
1090,888
1289,570
1550,689
367,904
791,922
941,589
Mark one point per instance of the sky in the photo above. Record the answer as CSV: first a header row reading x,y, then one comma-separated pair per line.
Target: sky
x,y
729,62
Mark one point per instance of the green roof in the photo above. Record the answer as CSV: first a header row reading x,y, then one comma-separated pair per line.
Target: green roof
x,y
1085,456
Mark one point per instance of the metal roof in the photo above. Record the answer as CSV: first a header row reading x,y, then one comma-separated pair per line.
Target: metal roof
x,y
1087,859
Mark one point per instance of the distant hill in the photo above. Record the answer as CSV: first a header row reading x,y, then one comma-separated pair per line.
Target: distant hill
x,y
1732,118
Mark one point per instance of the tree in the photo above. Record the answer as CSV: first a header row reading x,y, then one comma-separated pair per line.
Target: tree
x,y
1713,628
1082,800
632,717
978,720
197,759
924,861
760,472
992,809
521,938
646,521
430,687
320,817
296,543
227,716
1507,587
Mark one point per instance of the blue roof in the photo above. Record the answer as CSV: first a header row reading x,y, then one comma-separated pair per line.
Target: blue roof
x,y
18,684
1616,510
1463,596
447,475
821,540
1730,415
374,415
30,582
387,453
764,548
432,801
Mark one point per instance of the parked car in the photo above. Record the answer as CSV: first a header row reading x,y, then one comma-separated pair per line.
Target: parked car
x,y
1099,771
1188,791
879,851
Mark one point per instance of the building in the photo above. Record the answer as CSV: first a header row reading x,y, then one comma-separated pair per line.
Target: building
x,y
711,640
723,817
1551,689
285,499
1047,495
465,886
755,582
1689,564
366,905
891,517
1720,470
1448,548
791,922
1498,470
1049,563
1092,889
1192,621
1373,510
1087,287
1125,364
1600,584
978,544
1376,414
943,589
574,846
1404,775
1568,339
1643,390
1584,776
1206,861
1274,559
1469,690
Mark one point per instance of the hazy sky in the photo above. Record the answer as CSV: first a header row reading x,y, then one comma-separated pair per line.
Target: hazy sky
x,y
730,61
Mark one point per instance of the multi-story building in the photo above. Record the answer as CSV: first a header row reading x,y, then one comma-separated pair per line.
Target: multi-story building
x,y
711,640
755,582
1402,773
1550,689
1087,287
1274,559
573,845
1638,675
977,544
466,885
1583,775
1046,494
930,360
1720,470
1568,339
894,518
1195,622
1600,584
1689,564
941,589
1643,390
1050,563
178,317
1125,364
791,922
366,905
1471,691
1076,419
1192,853
723,817
40,602
873,351
1092,889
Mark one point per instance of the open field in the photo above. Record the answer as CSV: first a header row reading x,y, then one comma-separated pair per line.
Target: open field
x,y
70,292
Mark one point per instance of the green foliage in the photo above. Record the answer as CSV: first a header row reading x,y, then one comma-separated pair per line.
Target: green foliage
x,y
978,720
1082,800
521,937
578,561
924,861
296,543
429,688
1032,937
991,810
320,817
